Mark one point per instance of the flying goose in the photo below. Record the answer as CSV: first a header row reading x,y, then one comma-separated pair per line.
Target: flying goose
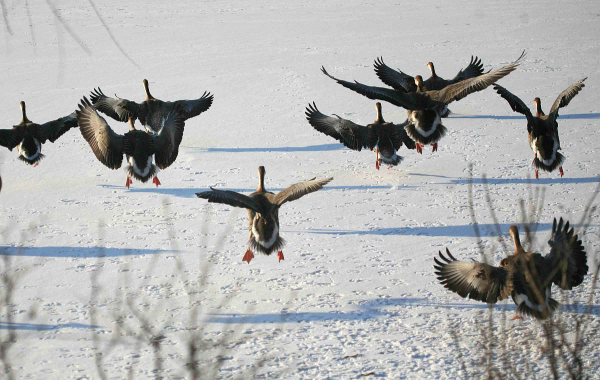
x,y
527,277
404,82
151,112
263,211
386,138
28,136
424,107
138,146
542,129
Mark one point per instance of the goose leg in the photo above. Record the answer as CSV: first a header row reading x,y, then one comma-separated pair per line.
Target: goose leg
x,y
128,182
419,148
280,256
377,158
537,174
517,317
36,164
560,169
434,145
248,256
156,181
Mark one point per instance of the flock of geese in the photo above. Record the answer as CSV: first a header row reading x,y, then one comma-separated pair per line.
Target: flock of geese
x,y
525,276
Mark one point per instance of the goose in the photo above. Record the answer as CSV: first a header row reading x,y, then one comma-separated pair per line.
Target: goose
x,y
263,211
138,146
404,82
385,138
28,136
542,129
152,112
424,107
527,277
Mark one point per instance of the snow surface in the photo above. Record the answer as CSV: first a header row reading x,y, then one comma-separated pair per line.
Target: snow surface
x,y
356,292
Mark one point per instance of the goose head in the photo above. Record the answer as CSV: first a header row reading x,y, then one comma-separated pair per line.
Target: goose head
x,y
147,89
538,107
24,120
261,179
419,83
379,114
432,69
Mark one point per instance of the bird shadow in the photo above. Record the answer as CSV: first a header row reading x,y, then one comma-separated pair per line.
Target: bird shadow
x,y
74,252
511,181
44,327
592,115
308,148
467,230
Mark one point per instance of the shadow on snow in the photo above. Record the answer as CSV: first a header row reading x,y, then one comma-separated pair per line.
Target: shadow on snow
x,y
512,181
592,115
82,252
44,327
308,148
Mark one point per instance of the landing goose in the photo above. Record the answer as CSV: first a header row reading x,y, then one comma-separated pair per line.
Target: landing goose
x,y
404,82
138,146
527,277
385,138
542,129
263,211
152,112
424,107
28,136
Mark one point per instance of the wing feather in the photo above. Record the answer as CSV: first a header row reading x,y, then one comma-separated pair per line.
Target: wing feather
x,y
352,135
299,189
230,198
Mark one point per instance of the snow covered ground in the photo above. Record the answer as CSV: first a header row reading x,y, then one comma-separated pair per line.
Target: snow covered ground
x,y
356,293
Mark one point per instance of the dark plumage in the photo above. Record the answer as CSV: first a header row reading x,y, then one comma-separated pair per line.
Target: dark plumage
x,y
404,82
525,276
386,138
263,211
150,112
28,136
138,146
425,107
542,129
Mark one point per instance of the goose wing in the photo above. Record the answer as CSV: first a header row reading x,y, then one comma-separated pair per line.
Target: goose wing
x,y
515,103
52,130
106,144
565,97
167,140
117,108
465,87
395,79
352,135
191,108
474,69
299,189
566,264
230,198
409,101
10,138
474,280
399,137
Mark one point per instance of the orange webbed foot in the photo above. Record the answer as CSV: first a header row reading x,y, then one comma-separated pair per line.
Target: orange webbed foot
x,y
248,256
156,181
517,317
434,145
560,170
128,182
280,256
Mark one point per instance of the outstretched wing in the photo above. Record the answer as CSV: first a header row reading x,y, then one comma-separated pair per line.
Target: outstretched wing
x,y
299,189
565,97
167,140
475,280
399,137
474,69
352,135
52,130
515,103
566,264
395,79
230,198
410,101
463,88
10,138
106,144
192,108
116,108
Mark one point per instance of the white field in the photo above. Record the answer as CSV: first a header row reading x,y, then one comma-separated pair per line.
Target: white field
x,y
358,277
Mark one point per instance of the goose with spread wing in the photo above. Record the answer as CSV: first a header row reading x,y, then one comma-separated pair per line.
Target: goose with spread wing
x,y
152,112
263,211
385,138
424,107
404,82
542,129
28,136
138,146
527,277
